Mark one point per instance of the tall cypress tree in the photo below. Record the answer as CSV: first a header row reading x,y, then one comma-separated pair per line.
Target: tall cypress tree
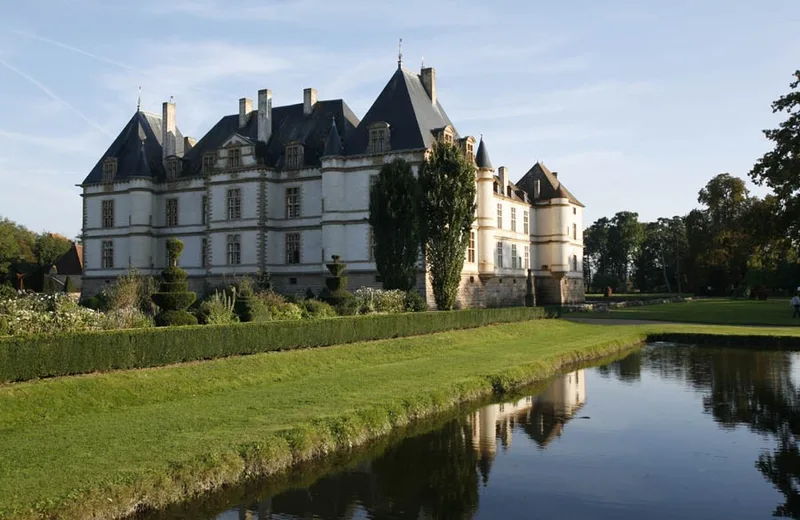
x,y
394,217
447,181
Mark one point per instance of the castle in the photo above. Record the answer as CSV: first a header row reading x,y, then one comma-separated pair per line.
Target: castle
x,y
282,189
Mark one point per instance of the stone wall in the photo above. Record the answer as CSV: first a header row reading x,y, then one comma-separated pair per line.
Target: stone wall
x,y
555,291
506,291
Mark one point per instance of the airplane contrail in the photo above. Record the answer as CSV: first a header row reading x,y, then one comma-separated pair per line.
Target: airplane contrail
x,y
53,95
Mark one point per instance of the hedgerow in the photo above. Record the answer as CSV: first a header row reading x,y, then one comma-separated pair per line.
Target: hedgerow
x,y
23,358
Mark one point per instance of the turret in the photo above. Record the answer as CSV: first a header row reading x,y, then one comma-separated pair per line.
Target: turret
x,y
486,212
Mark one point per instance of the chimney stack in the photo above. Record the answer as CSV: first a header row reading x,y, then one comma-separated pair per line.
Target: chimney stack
x,y
555,174
169,130
309,100
264,115
245,107
502,172
188,144
428,78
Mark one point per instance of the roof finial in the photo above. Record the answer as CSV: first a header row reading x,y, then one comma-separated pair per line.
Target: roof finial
x,y
422,66
400,54
139,101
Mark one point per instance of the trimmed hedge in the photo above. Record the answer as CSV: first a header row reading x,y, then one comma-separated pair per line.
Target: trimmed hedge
x,y
23,358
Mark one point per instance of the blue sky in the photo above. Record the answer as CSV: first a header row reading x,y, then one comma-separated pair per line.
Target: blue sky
x,y
636,104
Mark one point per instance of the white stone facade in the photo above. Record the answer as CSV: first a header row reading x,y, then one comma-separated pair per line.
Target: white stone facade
x,y
241,217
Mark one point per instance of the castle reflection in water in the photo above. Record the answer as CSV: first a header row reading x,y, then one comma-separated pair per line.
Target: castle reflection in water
x,y
542,416
430,476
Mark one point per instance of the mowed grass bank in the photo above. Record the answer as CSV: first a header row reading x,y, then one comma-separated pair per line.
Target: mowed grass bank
x,y
104,443
712,311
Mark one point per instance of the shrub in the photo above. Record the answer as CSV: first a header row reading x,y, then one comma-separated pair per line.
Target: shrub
x,y
415,302
317,309
269,306
130,318
335,291
131,290
369,300
46,314
173,297
69,287
7,292
24,358
218,309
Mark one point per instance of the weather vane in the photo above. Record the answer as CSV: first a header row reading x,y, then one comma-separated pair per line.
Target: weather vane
x,y
400,54
139,101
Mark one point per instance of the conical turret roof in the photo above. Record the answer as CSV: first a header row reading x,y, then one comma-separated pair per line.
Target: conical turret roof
x,y
482,157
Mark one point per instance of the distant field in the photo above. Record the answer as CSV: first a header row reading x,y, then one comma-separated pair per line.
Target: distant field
x,y
632,296
711,311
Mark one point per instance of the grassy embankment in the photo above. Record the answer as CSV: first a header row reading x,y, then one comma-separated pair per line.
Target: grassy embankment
x,y
709,311
104,442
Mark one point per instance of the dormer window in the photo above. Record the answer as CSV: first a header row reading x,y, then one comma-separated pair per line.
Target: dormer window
x,y
172,168
209,160
445,134
468,147
109,169
234,157
379,137
294,156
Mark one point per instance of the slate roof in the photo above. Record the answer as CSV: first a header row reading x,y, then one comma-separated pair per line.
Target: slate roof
x,y
137,149
482,157
549,185
333,143
289,124
71,262
406,106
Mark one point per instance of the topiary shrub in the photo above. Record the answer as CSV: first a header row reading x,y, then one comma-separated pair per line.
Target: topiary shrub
x,y
173,296
69,287
317,309
335,292
415,302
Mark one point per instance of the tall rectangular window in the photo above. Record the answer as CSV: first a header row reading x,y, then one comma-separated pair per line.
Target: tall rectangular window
x,y
204,210
108,213
471,248
527,259
499,216
575,231
514,220
108,254
514,259
292,202
208,162
234,249
499,254
294,156
525,223
172,212
292,248
234,204
234,157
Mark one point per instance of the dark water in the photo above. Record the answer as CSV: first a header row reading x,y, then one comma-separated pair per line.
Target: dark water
x,y
668,432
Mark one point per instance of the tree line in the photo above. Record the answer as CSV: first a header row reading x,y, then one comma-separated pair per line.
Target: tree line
x,y
28,254
733,244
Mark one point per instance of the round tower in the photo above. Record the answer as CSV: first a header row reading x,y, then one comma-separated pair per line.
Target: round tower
x,y
486,211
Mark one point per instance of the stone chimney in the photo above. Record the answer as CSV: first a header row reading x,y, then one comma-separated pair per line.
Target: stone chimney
x,y
245,107
169,131
264,115
428,78
555,174
309,100
502,172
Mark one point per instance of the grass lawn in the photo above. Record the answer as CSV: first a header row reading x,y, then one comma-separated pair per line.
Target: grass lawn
x,y
102,442
711,311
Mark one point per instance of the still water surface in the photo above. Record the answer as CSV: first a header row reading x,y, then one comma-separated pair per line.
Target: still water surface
x,y
668,432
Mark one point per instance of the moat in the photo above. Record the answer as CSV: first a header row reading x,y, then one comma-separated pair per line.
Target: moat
x,y
667,432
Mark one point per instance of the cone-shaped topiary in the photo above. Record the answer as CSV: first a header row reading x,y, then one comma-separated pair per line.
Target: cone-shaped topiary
x,y
335,292
173,296
69,287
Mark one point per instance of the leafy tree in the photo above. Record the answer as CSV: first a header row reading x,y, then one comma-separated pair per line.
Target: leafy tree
x,y
779,168
624,239
394,217
726,198
595,252
49,247
447,181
